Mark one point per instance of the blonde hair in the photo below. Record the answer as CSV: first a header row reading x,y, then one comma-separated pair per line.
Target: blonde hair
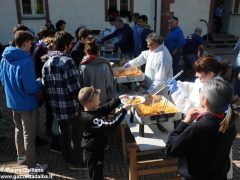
x,y
87,94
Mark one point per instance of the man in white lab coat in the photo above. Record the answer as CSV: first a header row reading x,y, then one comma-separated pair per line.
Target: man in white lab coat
x,y
158,62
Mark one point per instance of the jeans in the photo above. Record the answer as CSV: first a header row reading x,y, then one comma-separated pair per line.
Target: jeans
x,y
25,133
71,132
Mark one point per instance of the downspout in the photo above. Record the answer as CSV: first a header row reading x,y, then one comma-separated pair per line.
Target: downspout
x,y
155,16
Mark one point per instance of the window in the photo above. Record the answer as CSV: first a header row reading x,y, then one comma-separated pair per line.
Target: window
x,y
123,8
237,7
32,8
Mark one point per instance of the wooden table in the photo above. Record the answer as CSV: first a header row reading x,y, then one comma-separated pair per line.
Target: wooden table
x,y
153,141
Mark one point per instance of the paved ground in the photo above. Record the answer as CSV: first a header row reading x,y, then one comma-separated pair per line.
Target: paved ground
x,y
114,165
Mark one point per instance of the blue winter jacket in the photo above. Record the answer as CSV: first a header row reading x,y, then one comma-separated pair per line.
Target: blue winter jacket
x,y
175,39
18,79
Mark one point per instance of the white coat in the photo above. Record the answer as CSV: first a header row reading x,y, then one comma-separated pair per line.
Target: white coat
x,y
187,95
158,66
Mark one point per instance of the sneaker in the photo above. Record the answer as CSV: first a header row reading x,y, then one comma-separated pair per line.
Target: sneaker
x,y
78,167
38,169
5,124
22,160
55,150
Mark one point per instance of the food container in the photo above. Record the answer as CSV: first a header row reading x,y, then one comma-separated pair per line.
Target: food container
x,y
167,112
126,75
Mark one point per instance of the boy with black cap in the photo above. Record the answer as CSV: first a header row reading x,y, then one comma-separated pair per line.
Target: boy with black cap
x,y
94,128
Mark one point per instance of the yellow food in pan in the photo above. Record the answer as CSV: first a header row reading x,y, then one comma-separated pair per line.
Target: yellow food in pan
x,y
133,71
155,108
134,101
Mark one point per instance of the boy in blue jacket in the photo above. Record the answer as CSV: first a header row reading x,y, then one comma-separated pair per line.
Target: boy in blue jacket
x,y
21,87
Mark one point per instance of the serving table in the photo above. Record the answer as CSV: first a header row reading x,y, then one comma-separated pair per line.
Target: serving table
x,y
153,141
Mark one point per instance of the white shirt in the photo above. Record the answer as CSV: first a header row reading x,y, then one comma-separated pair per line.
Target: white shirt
x,y
158,66
187,95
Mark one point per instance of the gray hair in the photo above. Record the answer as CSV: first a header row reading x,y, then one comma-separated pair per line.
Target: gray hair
x,y
198,30
155,37
220,100
218,93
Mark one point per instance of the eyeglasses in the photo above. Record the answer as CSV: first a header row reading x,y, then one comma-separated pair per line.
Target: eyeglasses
x,y
90,38
150,44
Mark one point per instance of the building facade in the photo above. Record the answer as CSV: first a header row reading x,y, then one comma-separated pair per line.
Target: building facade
x,y
93,14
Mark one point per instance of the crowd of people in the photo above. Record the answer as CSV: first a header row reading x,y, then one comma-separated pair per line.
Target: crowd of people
x,y
76,86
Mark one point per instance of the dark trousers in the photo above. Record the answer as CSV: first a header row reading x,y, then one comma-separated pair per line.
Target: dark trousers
x,y
218,24
94,163
175,63
49,118
70,140
189,60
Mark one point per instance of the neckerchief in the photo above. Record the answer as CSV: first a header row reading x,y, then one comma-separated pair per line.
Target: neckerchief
x,y
87,59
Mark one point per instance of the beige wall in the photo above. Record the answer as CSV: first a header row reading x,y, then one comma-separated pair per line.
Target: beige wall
x,y
91,13
77,12
8,19
148,8
190,12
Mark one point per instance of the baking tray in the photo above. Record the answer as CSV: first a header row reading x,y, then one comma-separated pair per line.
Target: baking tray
x,y
158,117
127,79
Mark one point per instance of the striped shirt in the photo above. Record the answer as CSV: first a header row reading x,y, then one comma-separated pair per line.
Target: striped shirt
x,y
61,80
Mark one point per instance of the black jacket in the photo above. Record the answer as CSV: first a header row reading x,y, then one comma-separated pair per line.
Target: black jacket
x,y
125,39
203,152
78,53
38,52
94,136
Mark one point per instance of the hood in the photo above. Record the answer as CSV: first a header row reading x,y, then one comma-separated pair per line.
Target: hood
x,y
12,54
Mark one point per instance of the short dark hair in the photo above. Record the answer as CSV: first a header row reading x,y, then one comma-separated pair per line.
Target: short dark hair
x,y
83,33
136,15
61,40
175,18
19,27
22,36
59,23
44,32
144,18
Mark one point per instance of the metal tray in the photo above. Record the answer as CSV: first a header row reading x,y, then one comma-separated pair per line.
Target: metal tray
x,y
156,118
127,79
